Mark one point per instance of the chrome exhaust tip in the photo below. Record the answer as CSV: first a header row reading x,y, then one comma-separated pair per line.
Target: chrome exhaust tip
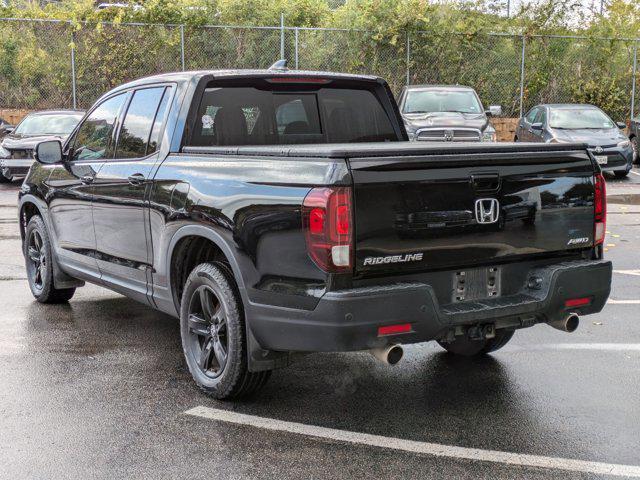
x,y
569,323
391,354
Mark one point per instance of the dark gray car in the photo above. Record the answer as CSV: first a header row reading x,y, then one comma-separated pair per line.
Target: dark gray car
x,y
5,127
446,113
570,123
16,148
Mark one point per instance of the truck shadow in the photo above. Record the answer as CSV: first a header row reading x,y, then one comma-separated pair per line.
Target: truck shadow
x,y
429,396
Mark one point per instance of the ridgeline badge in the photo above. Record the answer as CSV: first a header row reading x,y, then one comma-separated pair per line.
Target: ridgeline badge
x,y
408,257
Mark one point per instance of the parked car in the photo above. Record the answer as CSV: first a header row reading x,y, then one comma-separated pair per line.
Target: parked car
x,y
565,122
634,135
265,210
16,148
5,128
446,113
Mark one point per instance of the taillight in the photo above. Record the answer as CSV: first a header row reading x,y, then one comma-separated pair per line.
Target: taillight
x,y
599,209
326,218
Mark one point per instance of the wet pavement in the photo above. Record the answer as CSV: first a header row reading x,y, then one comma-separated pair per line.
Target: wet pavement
x,y
98,389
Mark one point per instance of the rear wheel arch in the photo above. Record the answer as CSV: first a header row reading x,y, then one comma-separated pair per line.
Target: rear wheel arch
x,y
193,245
205,245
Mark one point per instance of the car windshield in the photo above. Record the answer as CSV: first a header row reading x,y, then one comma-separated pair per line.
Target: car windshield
x,y
577,118
426,101
50,124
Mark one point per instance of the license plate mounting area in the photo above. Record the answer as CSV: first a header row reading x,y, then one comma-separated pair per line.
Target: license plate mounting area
x,y
476,284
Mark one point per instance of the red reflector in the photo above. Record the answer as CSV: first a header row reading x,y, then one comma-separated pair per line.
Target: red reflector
x,y
392,329
577,302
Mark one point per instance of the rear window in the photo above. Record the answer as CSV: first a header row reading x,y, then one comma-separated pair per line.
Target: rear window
x,y
252,116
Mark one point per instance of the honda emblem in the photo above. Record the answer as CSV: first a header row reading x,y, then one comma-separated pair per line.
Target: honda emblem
x,y
487,210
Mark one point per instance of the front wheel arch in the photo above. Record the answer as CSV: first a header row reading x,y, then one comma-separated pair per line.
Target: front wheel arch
x,y
28,209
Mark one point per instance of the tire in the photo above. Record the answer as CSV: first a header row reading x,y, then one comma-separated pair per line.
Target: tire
x,y
214,342
636,152
621,174
464,347
37,252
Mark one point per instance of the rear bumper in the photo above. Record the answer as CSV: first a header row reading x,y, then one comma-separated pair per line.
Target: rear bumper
x,y
349,319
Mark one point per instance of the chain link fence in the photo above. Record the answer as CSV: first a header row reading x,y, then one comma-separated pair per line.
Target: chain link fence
x,y
53,64
490,63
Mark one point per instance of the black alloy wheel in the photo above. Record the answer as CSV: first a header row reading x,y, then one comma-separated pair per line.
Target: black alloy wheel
x,y
208,336
39,264
36,260
213,330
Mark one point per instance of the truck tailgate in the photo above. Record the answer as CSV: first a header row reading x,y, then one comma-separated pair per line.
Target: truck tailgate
x,y
435,211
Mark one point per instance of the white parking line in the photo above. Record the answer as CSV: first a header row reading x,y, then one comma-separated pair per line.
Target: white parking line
x,y
434,449
613,347
628,272
634,172
623,302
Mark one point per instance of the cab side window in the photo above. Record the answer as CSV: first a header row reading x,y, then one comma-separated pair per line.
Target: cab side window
x,y
94,137
541,117
156,130
139,121
532,114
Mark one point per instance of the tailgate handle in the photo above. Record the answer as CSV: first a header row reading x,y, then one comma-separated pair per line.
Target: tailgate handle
x,y
486,182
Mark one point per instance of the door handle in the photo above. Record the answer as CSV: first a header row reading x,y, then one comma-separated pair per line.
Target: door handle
x,y
136,179
87,179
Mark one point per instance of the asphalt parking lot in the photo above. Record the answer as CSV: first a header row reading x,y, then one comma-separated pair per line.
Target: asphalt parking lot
x,y
98,389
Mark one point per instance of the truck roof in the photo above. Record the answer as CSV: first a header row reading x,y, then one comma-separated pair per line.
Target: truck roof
x,y
244,73
383,149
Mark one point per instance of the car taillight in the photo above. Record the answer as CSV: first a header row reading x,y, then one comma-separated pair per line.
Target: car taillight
x,y
326,217
599,209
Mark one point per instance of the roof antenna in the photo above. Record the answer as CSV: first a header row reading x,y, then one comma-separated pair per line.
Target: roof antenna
x,y
279,65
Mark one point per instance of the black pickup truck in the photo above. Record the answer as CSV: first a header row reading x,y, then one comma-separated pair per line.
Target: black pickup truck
x,y
277,212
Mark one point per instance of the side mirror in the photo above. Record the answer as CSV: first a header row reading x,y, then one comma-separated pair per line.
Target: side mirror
x,y
537,126
621,125
8,129
48,152
494,110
